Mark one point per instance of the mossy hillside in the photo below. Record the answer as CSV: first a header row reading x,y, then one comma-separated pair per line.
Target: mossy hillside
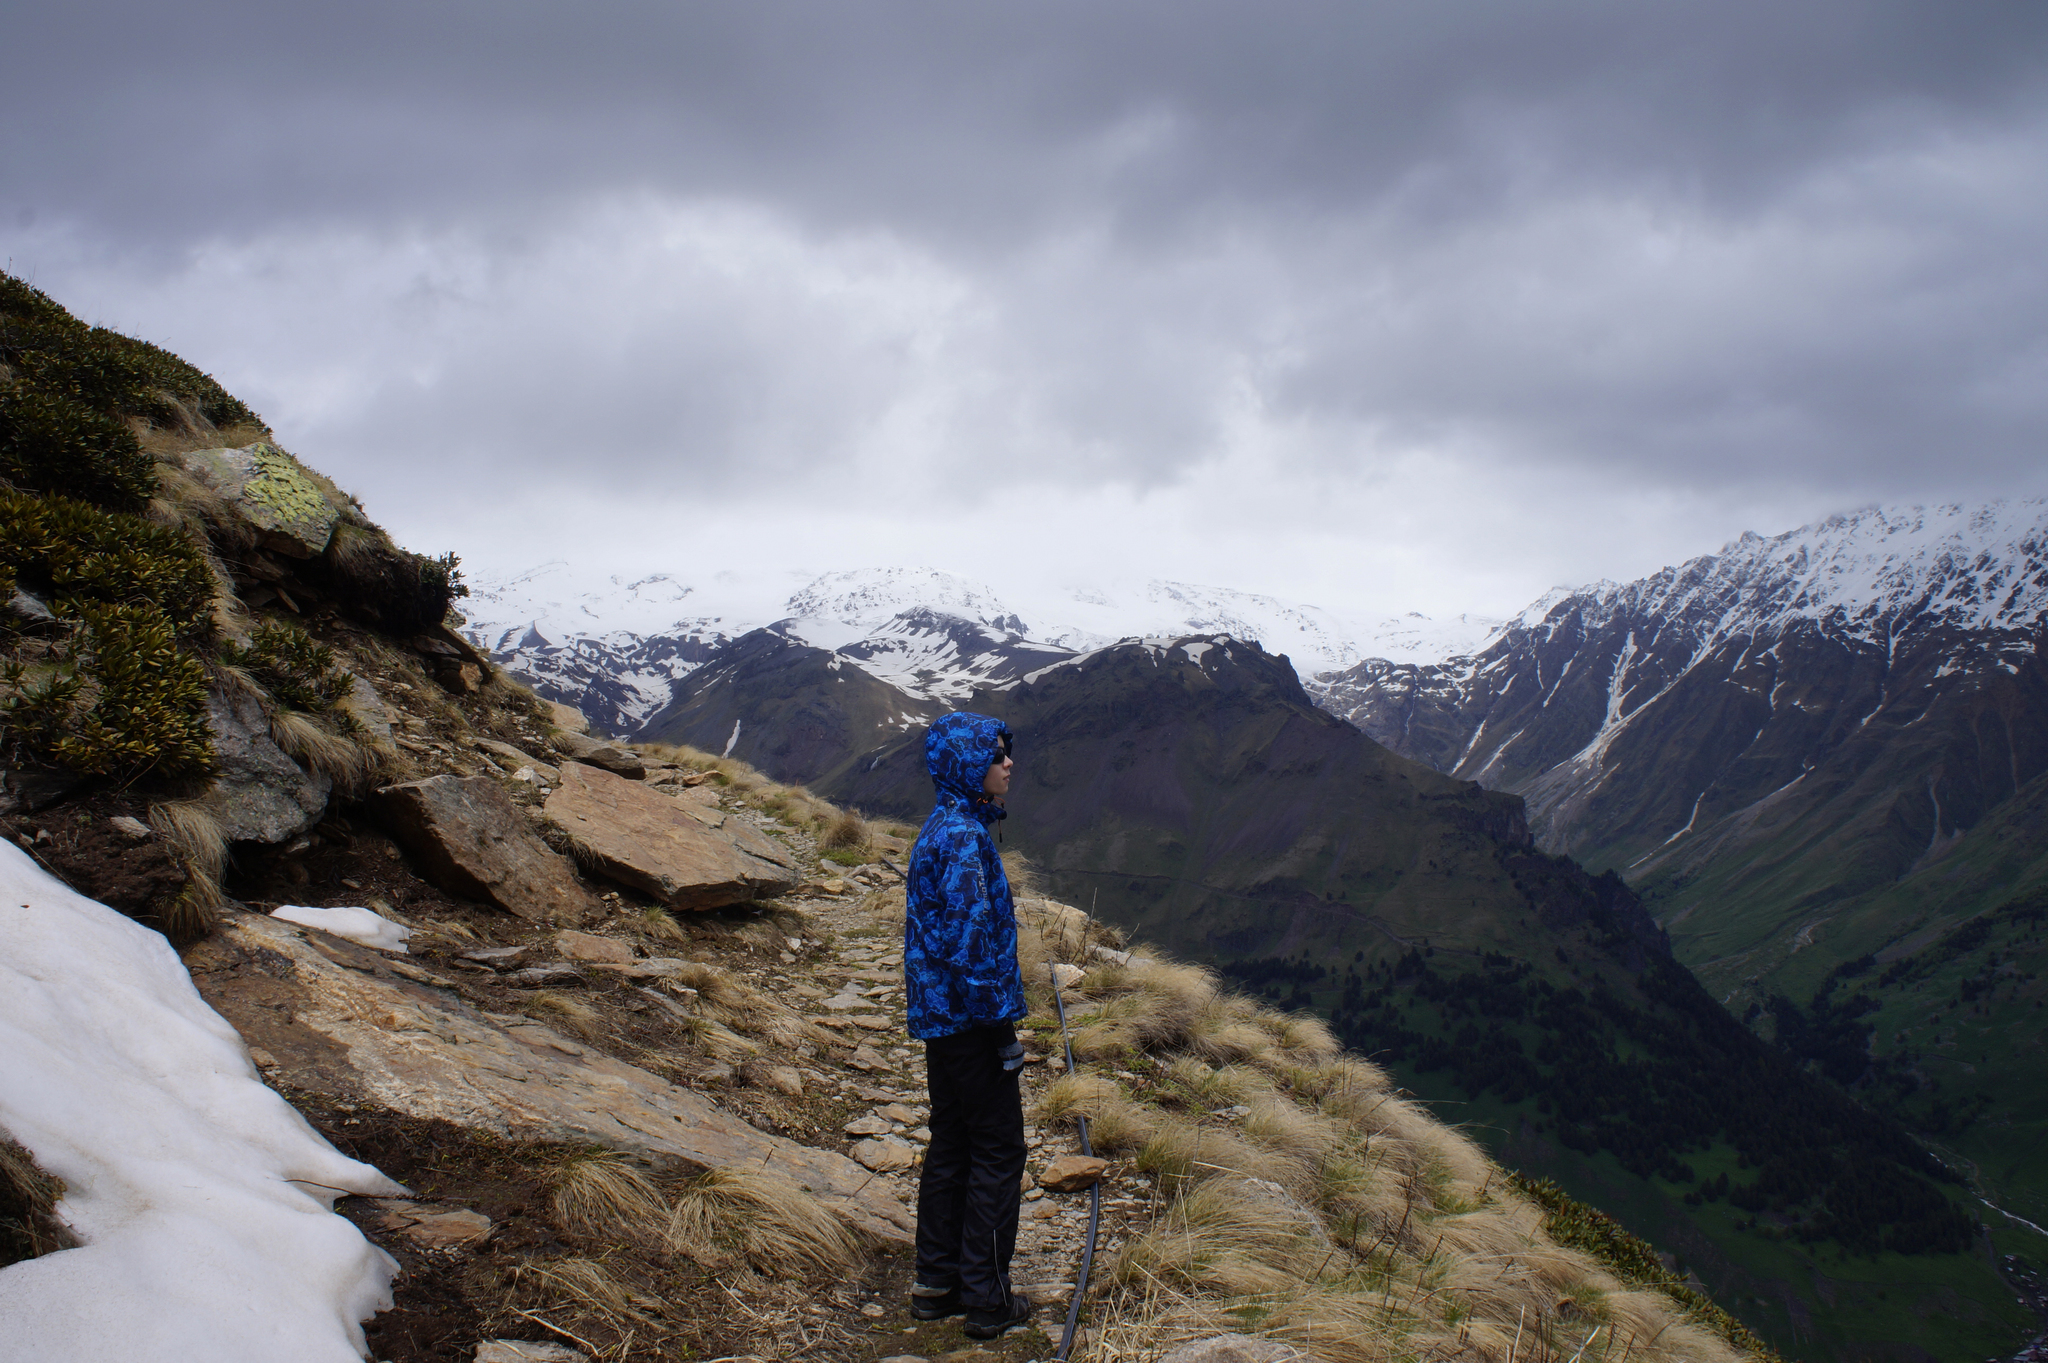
x,y
142,565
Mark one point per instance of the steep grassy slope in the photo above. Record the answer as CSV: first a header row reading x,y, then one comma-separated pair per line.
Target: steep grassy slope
x,y
1940,1016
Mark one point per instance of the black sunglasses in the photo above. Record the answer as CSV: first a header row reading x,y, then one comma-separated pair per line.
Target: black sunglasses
x,y
1003,753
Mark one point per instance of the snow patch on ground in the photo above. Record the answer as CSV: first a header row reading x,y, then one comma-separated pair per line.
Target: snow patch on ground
x,y
367,926
203,1201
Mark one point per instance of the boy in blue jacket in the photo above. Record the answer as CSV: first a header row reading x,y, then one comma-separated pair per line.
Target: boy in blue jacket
x,y
964,998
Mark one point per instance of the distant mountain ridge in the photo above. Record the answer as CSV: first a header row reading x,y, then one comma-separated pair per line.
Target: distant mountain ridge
x,y
1834,705
619,648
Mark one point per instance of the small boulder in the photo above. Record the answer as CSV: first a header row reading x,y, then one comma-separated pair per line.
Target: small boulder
x,y
135,830
517,758
258,793
552,975
527,1351
869,1125
471,840
499,958
1072,1173
884,1154
1067,976
613,757
567,718
1234,1349
684,857
432,1227
783,1079
588,946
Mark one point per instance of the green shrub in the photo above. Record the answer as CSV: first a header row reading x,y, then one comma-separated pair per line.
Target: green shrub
x,y
125,701
78,554
54,354
292,666
58,445
115,694
845,856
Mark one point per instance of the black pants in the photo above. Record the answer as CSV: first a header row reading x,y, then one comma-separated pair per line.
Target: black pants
x,y
973,1172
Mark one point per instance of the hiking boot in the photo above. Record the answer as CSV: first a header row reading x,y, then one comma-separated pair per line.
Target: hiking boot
x,y
988,1322
931,1303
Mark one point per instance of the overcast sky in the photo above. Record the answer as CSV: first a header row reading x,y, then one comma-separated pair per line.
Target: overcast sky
x,y
1380,306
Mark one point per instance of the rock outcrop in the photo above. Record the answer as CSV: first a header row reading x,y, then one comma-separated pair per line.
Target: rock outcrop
x,y
351,1024
273,493
471,840
613,757
259,793
687,854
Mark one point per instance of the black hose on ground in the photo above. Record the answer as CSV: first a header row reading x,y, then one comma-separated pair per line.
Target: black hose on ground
x,y
1094,1191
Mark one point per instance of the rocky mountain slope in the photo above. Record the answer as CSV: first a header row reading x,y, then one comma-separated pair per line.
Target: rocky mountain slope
x,y
624,1026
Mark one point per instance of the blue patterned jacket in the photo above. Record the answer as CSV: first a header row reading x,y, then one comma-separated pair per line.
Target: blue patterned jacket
x,y
960,934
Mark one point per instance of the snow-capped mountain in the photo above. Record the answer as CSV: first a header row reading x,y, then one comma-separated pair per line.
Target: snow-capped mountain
x,y
619,647
1783,725
614,647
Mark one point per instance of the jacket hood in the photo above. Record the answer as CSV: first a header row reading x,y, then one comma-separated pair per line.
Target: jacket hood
x,y
958,751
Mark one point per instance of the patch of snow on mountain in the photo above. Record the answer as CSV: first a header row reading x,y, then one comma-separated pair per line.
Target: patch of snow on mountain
x,y
203,1202
867,598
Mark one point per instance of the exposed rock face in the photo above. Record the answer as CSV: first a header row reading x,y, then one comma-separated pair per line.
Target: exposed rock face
x,y
613,757
260,794
348,1023
273,493
370,711
682,852
471,840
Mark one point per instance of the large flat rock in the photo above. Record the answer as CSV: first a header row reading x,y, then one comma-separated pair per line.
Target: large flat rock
x,y
348,1023
685,853
471,840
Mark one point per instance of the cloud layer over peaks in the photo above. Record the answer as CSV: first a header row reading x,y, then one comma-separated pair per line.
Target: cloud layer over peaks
x,y
1311,298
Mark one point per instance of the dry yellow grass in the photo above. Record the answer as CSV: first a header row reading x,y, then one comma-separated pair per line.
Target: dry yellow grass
x,y
604,1198
847,830
775,1226
564,1013
1307,1199
192,830
338,757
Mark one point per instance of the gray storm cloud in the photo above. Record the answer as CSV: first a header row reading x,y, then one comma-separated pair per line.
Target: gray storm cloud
x,y
1762,259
